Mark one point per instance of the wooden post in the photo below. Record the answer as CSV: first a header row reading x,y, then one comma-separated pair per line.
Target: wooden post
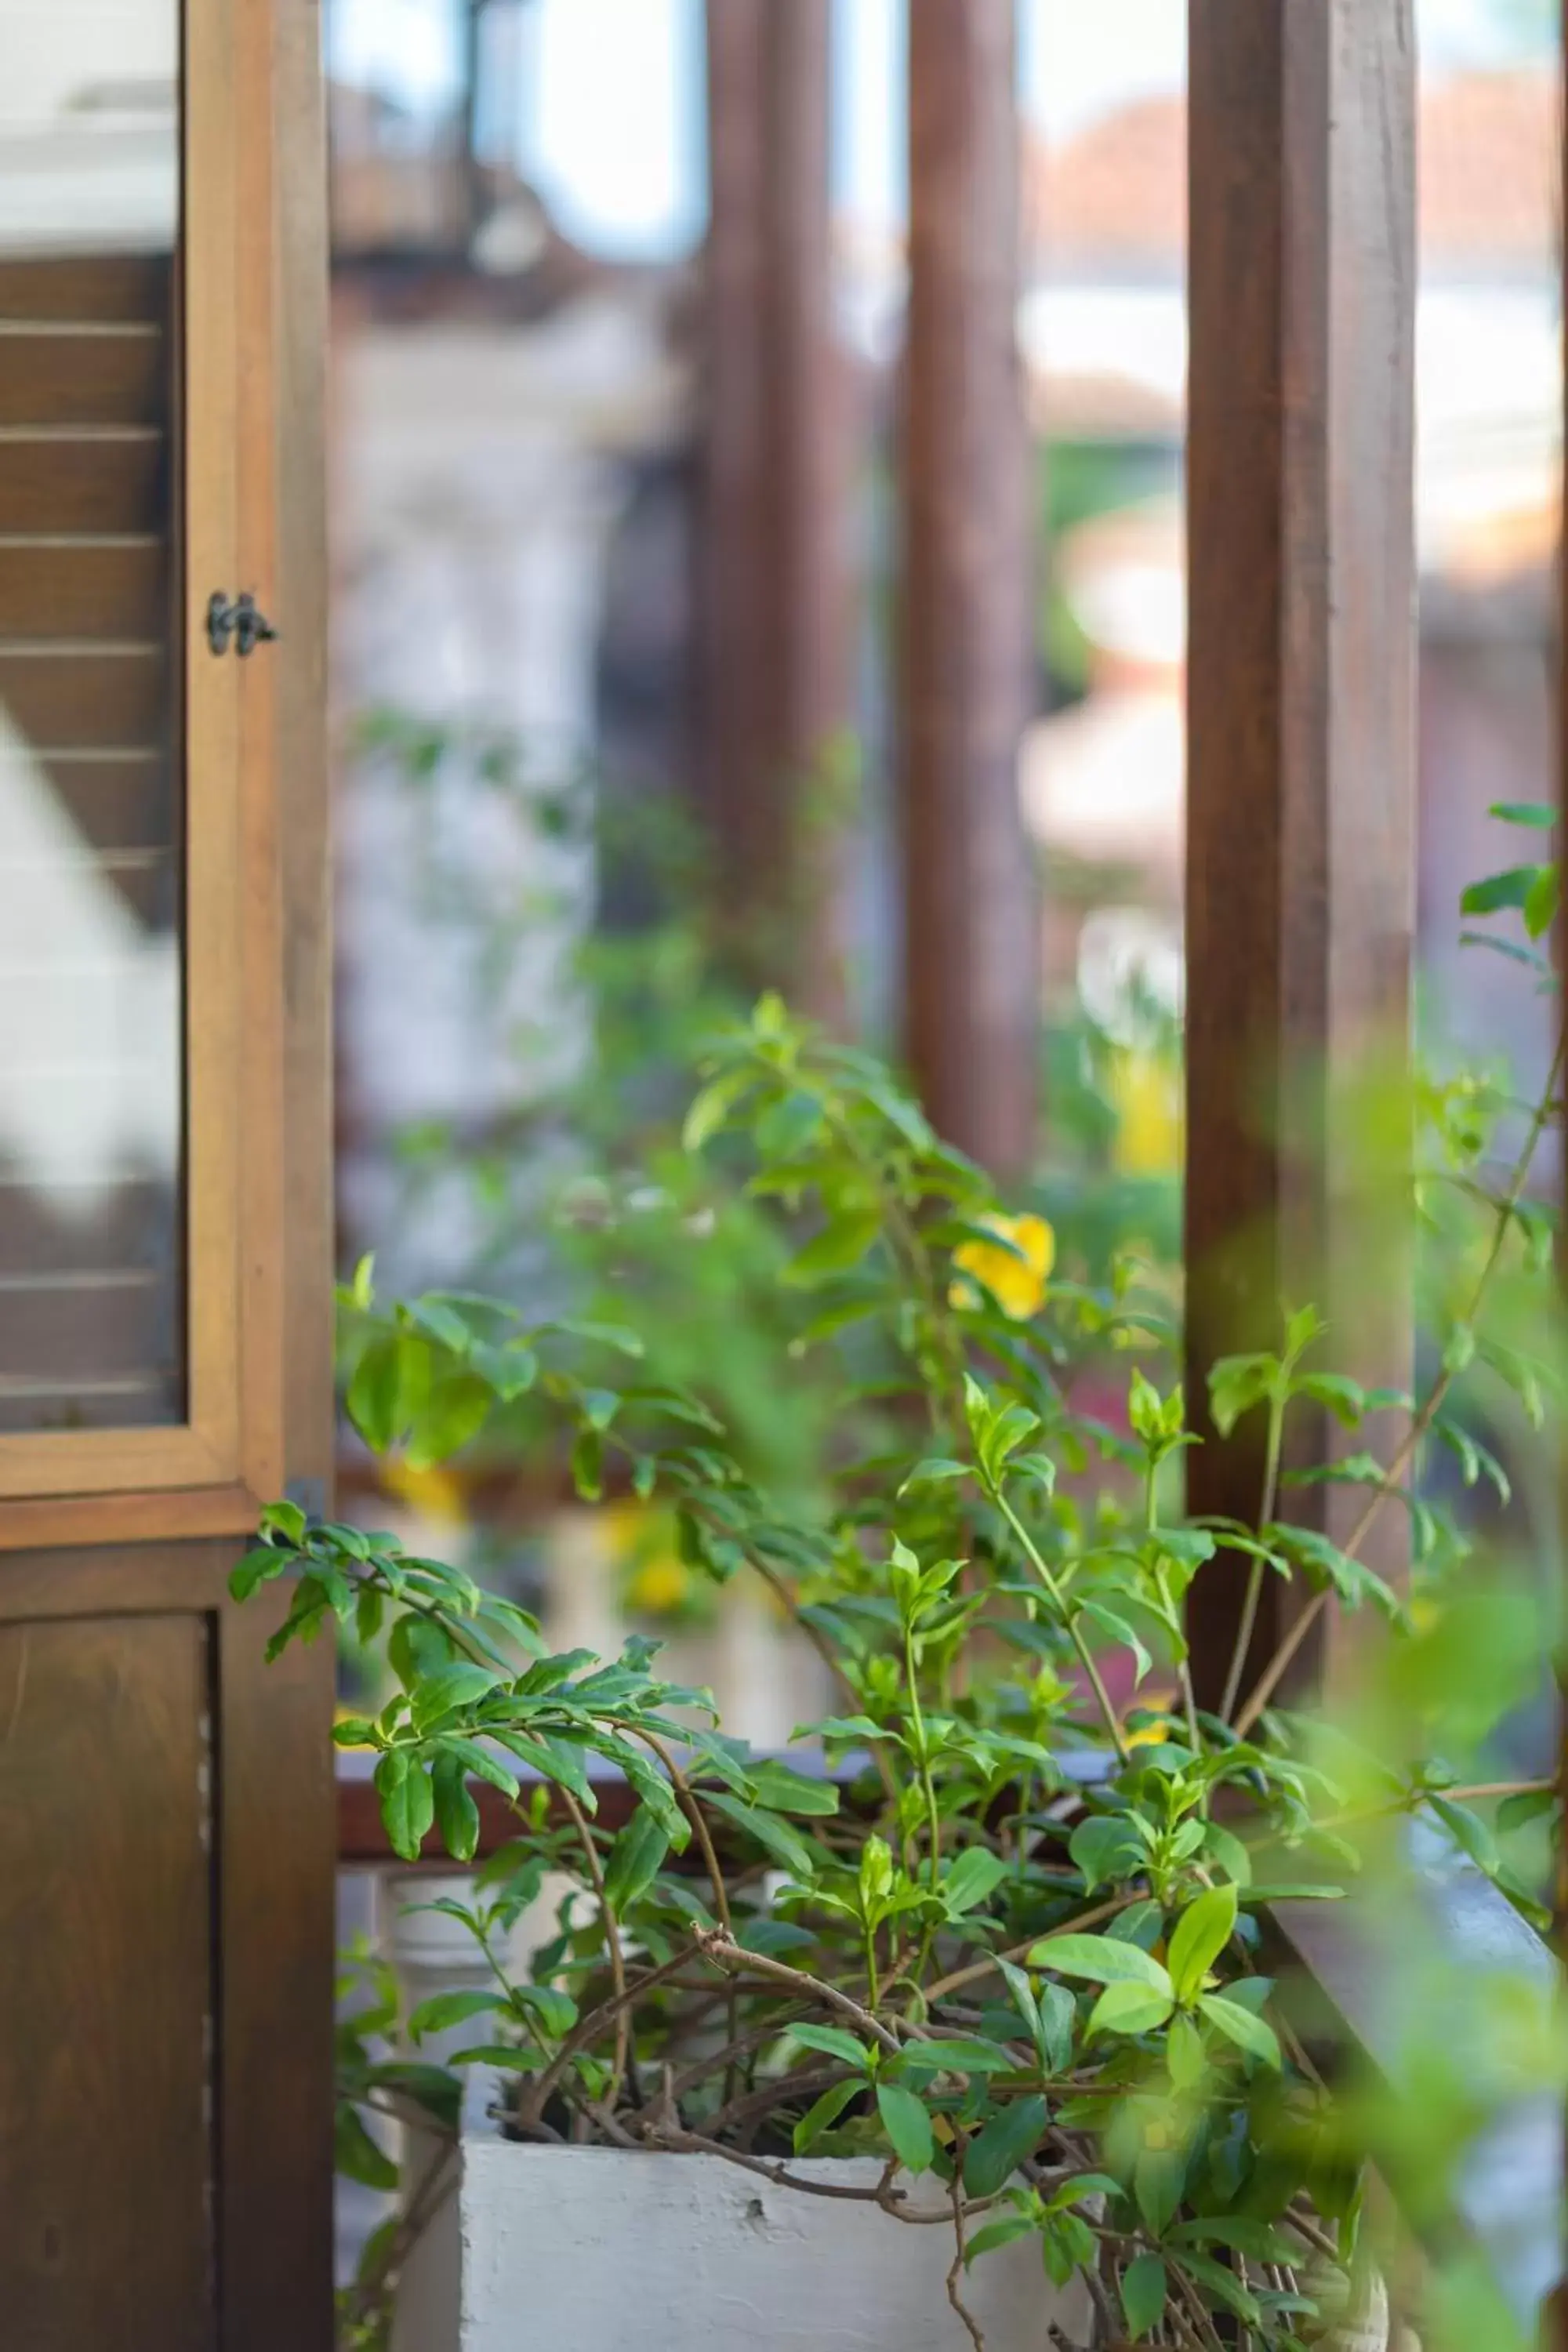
x,y
1301,702
972,962
777,659
1554,2332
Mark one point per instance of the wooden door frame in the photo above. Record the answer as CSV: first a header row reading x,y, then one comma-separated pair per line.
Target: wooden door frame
x,y
254,966
152,1522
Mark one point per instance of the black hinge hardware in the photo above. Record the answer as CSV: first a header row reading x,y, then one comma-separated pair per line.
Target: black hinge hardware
x,y
243,622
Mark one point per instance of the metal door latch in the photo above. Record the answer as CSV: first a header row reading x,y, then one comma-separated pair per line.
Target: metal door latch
x,y
242,621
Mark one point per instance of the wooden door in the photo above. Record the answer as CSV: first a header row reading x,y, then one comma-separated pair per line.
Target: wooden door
x,y
166,1843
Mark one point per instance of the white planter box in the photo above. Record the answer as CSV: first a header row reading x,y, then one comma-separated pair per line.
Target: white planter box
x,y
599,2249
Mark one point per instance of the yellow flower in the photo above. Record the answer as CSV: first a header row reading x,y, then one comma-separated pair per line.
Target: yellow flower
x,y
1147,1094
1015,1268
434,1493
1149,1735
660,1586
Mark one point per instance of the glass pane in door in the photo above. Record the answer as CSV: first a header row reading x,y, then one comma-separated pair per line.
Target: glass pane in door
x,y
92,1273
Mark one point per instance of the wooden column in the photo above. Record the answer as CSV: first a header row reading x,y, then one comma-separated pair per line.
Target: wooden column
x,y
777,654
971,962
1555,2330
1300,709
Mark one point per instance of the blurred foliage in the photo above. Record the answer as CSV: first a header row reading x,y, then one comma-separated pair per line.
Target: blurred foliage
x,y
1011,1947
1076,482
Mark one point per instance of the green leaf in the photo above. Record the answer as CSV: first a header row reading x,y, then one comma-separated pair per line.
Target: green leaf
x,y
908,2126
1243,2234
1159,2177
1499,891
713,1105
1058,2015
1228,1851
1119,1632
991,2160
1130,2009
455,1811
1237,1384
1185,2058
957,2054
1222,2286
1468,1831
785,1791
781,1838
1529,1805
553,2011
450,1692
1106,1847
460,1406
833,2042
1144,2287
840,1245
407,1802
390,1388
1102,1960
635,1860
1202,1933
973,1878
1253,2034
589,1464
1327,1564
615,1336
824,2113
357,2155
1539,815
1005,2233
257,1568
1541,903
448,2008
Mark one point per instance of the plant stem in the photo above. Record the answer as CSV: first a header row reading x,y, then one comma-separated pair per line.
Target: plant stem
x,y
1268,1681
955,2269
588,2029
611,1933
979,1970
683,1789
725,1953
1183,1666
922,1758
1058,1602
1250,1605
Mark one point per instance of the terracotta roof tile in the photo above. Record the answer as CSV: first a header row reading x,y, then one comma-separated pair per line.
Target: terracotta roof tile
x,y
1115,197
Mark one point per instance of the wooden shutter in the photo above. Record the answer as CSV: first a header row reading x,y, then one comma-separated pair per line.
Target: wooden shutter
x,y
166,1827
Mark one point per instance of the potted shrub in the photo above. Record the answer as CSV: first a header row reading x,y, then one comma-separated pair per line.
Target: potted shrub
x,y
958,2026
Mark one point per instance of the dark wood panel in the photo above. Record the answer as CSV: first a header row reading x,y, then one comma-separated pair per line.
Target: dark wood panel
x,y
60,483
61,376
84,588
971,976
92,286
105,1983
1301,790
278,1831
138,1570
105,695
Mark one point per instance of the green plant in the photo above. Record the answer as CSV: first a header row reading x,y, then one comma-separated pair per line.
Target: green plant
x,y
1011,1943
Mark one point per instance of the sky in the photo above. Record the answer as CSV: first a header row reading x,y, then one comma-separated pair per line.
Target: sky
x,y
611,130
